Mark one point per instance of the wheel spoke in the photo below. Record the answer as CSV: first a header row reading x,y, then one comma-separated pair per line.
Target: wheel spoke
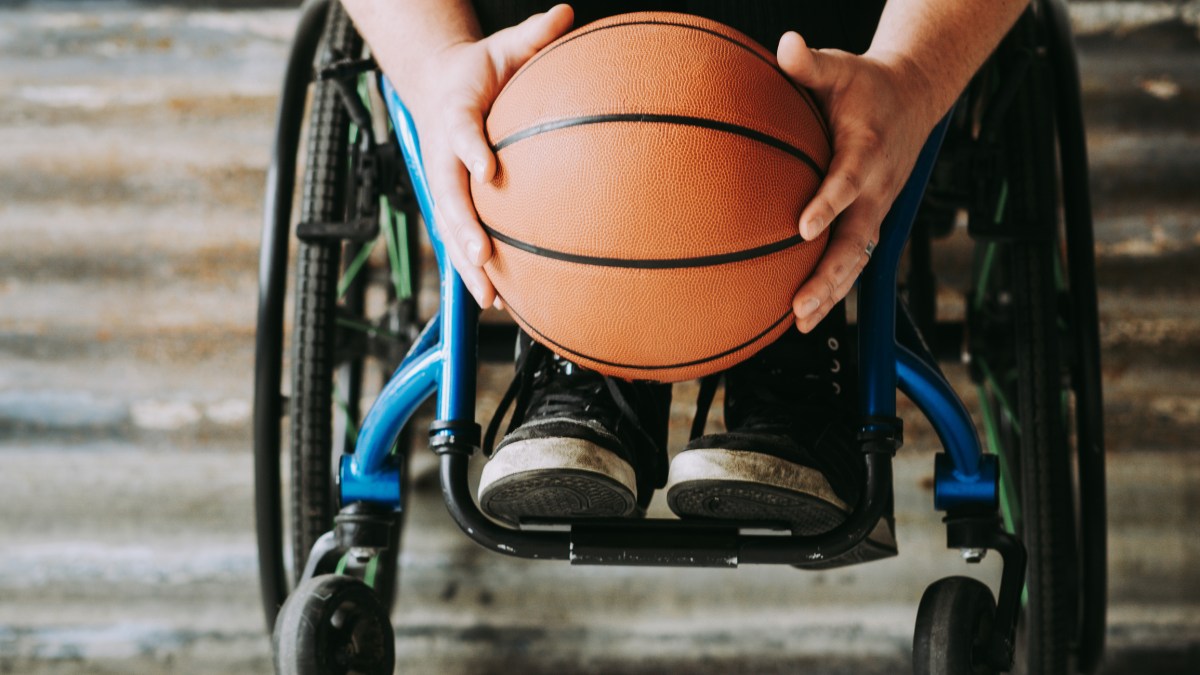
x,y
353,269
397,248
370,329
1010,501
1005,406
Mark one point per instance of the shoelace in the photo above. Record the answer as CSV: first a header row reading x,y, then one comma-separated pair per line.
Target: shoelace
x,y
765,418
519,387
520,392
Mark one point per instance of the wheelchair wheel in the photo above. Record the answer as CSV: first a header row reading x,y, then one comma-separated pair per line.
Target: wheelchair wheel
x,y
954,624
333,625
354,306
1035,354
1026,395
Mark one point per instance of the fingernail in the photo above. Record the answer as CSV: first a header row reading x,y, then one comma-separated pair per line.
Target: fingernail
x,y
814,228
473,252
477,172
809,306
498,303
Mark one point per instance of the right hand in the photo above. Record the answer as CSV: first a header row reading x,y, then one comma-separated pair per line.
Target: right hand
x,y
459,85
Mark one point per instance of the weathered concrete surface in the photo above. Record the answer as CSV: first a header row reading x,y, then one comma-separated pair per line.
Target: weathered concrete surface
x,y
133,146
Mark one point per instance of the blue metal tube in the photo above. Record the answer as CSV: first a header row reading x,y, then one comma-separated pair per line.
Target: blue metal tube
x,y
458,309
945,411
969,478
456,400
364,476
406,131
877,289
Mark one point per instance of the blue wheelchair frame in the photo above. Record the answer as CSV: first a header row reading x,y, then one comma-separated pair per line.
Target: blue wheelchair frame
x,y
443,360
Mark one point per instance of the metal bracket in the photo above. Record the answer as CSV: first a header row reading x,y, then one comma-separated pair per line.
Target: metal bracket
x,y
979,529
881,433
454,437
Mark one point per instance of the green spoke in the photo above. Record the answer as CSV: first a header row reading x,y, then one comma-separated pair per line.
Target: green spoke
x,y
1010,504
369,329
985,273
371,571
406,290
1005,406
397,250
1010,501
353,268
1001,203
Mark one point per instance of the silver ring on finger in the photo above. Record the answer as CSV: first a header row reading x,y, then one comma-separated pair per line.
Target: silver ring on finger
x,y
870,248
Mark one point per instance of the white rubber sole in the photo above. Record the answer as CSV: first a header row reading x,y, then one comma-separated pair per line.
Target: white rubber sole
x,y
750,467
752,486
556,479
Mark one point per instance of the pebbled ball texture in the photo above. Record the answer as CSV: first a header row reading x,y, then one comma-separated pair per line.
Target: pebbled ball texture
x,y
652,172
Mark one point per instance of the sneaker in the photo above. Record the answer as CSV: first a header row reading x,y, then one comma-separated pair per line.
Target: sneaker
x,y
580,445
790,454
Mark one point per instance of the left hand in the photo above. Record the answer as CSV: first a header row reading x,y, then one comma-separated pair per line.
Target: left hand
x,y
879,116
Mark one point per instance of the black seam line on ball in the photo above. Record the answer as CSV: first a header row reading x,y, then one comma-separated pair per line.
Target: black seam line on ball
x,y
648,263
686,364
774,66
656,118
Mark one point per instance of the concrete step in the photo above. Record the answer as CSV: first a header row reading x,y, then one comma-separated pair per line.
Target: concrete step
x,y
178,550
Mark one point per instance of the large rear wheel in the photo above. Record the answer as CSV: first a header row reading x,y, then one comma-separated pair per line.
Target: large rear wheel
x,y
1032,322
351,287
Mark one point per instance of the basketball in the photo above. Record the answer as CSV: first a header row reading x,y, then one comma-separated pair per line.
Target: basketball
x,y
644,215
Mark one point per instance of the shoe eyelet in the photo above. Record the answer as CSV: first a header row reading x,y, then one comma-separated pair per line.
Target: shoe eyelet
x,y
837,367
833,343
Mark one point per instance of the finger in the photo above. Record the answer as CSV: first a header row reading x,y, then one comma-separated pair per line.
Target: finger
x,y
468,141
806,67
840,266
848,173
477,283
512,47
452,195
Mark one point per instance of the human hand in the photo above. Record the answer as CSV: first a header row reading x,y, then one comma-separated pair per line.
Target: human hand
x,y
879,117
458,86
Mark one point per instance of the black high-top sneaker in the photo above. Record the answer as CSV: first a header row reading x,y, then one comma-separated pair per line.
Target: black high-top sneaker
x,y
580,445
790,454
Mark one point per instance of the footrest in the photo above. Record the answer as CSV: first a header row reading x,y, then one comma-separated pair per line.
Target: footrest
x,y
675,546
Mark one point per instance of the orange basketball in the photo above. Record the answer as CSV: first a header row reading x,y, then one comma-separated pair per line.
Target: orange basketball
x,y
652,171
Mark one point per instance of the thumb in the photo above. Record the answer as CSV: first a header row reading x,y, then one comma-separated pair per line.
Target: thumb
x,y
513,46
807,67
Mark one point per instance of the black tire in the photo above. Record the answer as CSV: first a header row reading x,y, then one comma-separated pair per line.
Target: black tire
x,y
327,367
1026,394
269,348
1048,500
317,268
1028,346
333,625
954,625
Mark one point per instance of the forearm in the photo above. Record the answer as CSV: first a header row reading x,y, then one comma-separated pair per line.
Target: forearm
x,y
938,45
407,35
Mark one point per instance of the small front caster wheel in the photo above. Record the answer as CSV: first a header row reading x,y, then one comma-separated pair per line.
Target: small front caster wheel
x,y
954,624
333,625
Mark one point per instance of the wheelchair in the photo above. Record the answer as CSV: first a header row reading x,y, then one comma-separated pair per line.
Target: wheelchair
x,y
1009,160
